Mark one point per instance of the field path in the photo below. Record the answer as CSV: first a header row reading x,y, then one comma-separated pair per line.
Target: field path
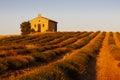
x,y
106,66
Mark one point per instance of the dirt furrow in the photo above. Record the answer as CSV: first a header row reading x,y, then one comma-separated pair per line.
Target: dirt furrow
x,y
106,66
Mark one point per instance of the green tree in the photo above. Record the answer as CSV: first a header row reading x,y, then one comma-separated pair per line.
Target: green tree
x,y
25,28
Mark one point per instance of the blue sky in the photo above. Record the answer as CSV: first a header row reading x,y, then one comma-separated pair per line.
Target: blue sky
x,y
71,15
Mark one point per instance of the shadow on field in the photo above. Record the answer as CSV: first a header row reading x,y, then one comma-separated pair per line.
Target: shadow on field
x,y
92,69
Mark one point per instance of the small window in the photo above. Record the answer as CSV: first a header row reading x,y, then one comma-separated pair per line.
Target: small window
x,y
35,25
43,25
39,20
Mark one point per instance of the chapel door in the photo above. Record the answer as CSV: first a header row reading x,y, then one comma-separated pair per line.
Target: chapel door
x,y
39,28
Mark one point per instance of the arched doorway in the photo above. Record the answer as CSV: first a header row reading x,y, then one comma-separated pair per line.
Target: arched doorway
x,y
39,28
